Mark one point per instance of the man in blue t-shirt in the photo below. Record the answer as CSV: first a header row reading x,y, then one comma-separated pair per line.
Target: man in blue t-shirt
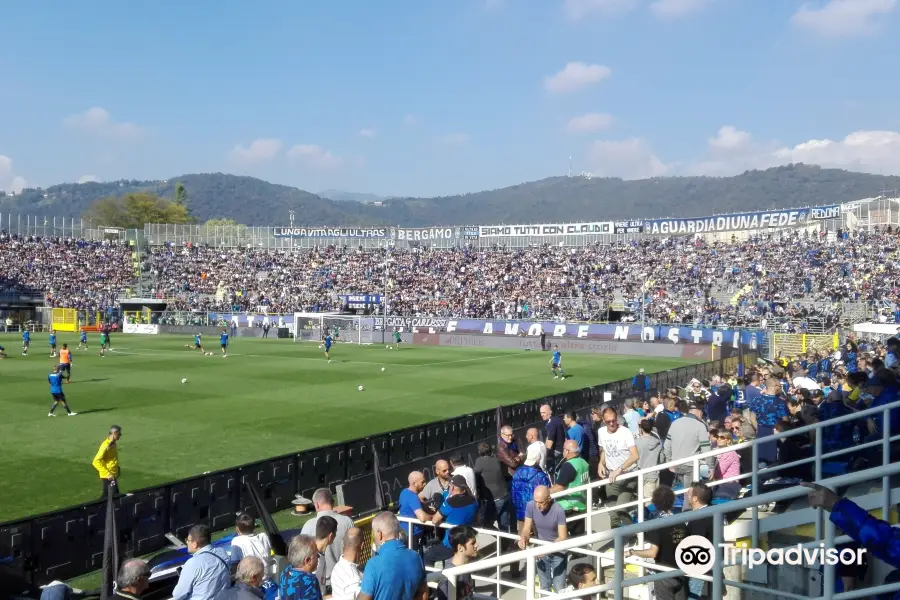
x,y
395,572
574,431
223,341
460,508
411,507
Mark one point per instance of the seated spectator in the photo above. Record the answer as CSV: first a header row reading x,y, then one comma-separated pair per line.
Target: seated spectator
x,y
460,508
207,573
465,545
133,579
458,466
298,580
411,507
660,545
582,576
248,578
252,544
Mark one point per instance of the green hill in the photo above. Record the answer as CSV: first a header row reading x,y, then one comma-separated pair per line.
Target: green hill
x,y
556,199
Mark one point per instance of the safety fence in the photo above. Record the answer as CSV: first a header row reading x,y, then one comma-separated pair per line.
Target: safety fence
x,y
69,542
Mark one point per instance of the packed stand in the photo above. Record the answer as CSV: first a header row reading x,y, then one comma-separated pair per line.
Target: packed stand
x,y
780,277
518,486
68,272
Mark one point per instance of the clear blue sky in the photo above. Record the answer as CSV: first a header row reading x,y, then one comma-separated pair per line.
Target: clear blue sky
x,y
432,98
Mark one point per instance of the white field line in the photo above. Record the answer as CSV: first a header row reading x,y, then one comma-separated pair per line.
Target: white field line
x,y
147,351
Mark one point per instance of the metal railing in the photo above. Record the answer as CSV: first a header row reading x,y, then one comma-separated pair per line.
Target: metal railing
x,y
752,502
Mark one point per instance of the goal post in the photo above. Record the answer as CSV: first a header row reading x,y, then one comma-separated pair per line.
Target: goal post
x,y
343,328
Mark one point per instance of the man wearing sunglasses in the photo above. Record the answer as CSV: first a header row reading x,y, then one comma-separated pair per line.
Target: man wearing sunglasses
x,y
618,455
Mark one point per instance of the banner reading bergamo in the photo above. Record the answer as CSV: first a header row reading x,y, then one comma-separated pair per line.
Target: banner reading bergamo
x,y
548,229
741,221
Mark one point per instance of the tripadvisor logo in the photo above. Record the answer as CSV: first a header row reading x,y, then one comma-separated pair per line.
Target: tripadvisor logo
x,y
695,555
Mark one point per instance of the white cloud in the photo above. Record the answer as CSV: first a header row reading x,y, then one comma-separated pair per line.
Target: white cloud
x,y
838,18
88,179
98,122
729,138
260,150
314,156
629,159
574,76
367,133
7,183
18,184
733,151
578,9
455,139
589,123
673,9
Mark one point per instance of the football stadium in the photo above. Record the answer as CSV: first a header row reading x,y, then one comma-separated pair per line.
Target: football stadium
x,y
695,407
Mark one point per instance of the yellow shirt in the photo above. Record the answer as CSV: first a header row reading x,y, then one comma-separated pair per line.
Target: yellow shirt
x,y
107,460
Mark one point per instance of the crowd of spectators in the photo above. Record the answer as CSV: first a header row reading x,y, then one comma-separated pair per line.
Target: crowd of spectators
x,y
787,275
768,279
67,272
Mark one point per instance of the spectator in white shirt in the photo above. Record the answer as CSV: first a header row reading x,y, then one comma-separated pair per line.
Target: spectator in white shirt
x,y
533,436
346,577
459,467
250,543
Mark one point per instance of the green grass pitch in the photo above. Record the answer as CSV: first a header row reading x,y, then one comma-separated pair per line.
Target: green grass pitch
x,y
268,398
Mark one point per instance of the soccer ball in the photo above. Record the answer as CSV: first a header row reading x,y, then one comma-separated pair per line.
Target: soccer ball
x,y
382,369
389,347
320,346
184,380
360,388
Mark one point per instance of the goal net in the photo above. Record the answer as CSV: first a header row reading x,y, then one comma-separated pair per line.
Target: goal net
x,y
312,327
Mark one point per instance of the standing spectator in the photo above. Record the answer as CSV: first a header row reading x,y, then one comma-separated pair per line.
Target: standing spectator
x,y
249,543
439,484
631,416
766,410
572,473
106,461
591,452
688,436
527,478
323,502
508,450
662,544
326,528
717,407
133,579
533,437
640,385
728,465
207,573
460,508
395,572
458,466
574,431
346,578
298,580
649,448
465,545
493,488
411,507
698,498
248,578
548,520
554,437
618,455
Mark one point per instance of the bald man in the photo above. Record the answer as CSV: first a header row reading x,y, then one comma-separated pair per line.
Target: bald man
x,y
440,484
554,438
573,472
548,520
411,507
533,437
